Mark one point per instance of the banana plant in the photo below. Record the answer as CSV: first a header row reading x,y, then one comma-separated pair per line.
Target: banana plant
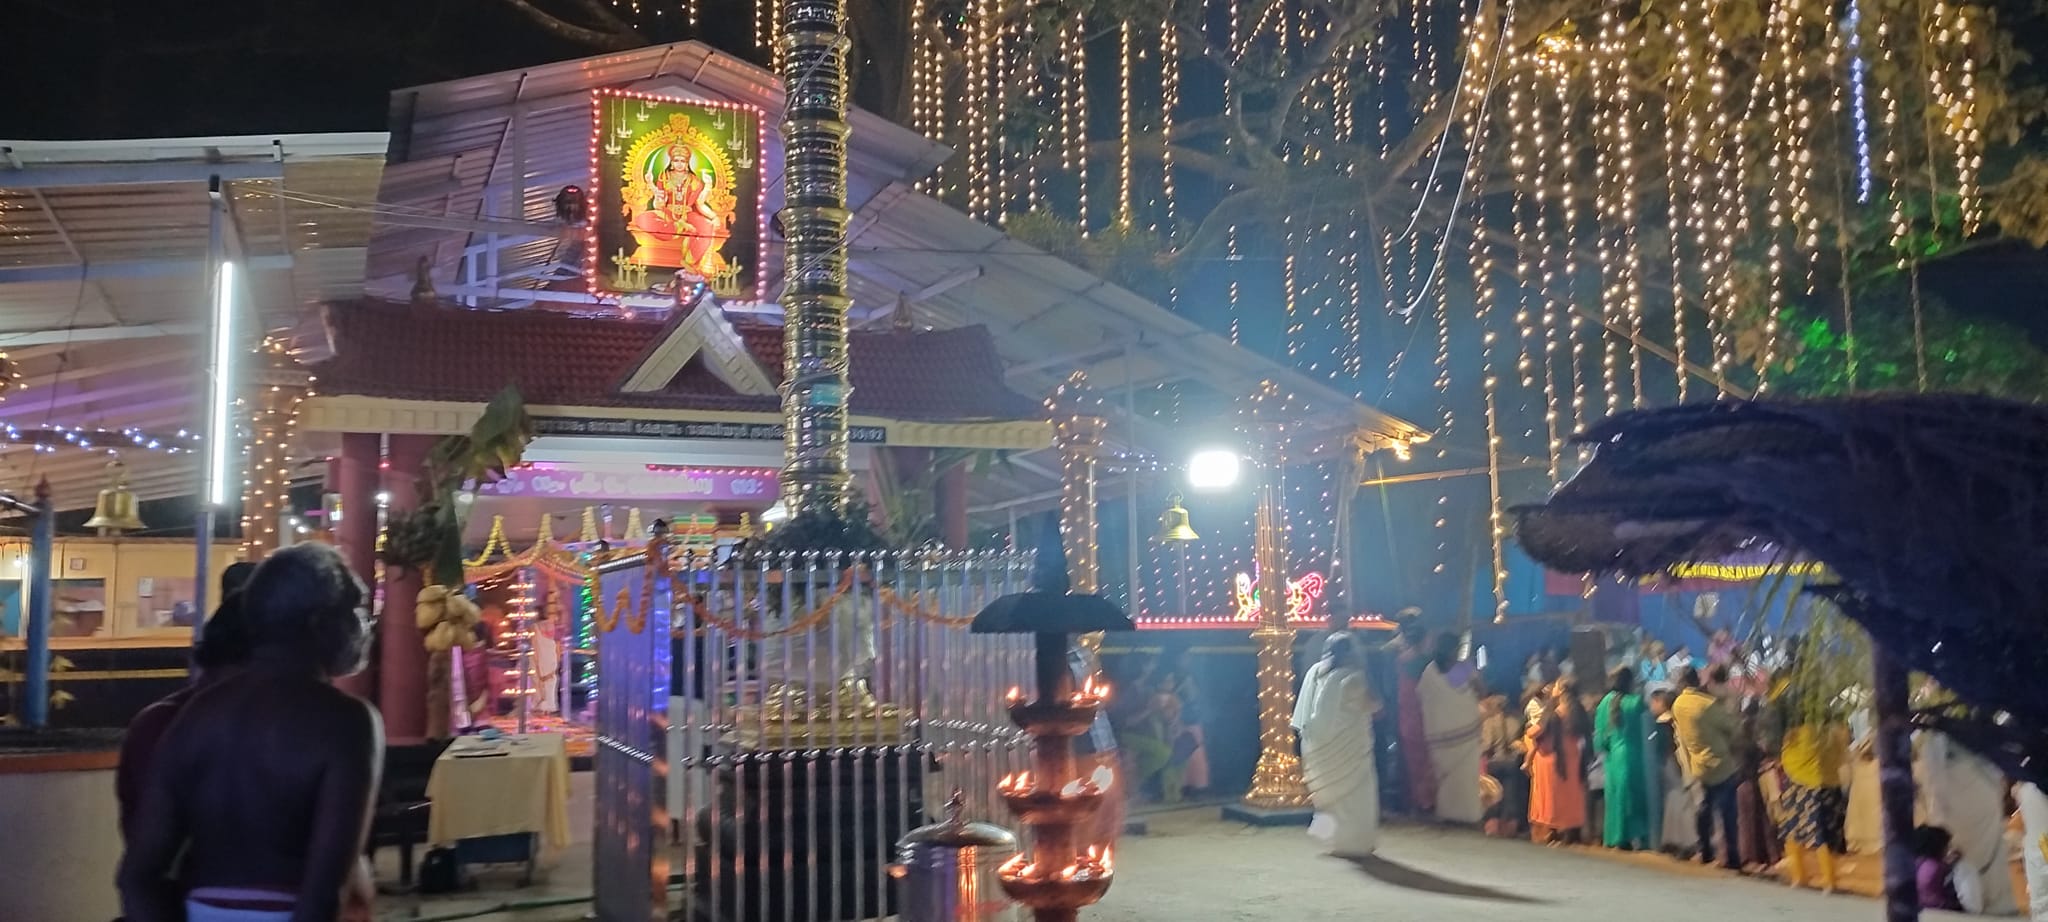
x,y
430,536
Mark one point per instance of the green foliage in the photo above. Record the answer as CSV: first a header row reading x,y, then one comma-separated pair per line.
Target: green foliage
x,y
2020,204
1136,258
431,535
848,530
1831,656
1966,355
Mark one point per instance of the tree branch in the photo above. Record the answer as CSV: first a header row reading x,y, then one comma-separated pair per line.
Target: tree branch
x,y
1217,222
596,38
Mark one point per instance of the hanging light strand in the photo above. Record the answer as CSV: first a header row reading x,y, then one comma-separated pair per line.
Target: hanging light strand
x,y
1544,148
1125,143
1074,116
1678,172
1169,103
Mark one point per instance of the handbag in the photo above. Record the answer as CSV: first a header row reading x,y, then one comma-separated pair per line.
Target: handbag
x,y
440,872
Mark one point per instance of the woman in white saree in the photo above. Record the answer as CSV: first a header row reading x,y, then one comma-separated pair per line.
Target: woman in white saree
x,y
1337,750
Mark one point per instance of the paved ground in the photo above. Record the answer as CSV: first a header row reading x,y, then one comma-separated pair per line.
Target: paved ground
x,y
1192,867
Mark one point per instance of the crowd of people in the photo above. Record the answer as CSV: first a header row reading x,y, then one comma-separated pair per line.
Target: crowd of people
x,y
1720,760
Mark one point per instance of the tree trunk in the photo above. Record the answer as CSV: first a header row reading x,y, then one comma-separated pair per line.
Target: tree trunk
x,y
439,688
1895,784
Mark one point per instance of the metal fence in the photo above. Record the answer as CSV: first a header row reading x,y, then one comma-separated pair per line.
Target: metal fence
x,y
779,722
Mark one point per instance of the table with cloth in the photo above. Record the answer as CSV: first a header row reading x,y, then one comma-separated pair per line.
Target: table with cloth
x,y
513,788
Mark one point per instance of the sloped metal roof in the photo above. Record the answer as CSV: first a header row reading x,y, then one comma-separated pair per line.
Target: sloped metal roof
x,y
103,279
458,151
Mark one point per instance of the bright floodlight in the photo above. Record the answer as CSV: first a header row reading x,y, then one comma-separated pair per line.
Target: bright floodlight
x,y
219,421
776,514
1213,469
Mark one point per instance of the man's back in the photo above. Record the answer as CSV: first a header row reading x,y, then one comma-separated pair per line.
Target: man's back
x,y
1706,735
249,768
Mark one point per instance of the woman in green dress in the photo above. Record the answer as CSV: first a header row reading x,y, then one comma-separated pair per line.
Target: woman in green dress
x,y
1620,736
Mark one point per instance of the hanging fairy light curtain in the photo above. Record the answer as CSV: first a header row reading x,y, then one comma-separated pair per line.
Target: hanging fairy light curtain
x,y
1505,221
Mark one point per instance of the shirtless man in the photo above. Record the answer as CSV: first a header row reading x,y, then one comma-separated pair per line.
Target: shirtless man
x,y
266,780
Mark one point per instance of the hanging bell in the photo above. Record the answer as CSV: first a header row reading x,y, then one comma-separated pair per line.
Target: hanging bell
x,y
115,511
1173,524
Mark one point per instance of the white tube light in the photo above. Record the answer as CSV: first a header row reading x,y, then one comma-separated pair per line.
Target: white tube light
x,y
218,422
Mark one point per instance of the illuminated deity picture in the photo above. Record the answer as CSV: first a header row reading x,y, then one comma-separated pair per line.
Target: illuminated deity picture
x,y
677,197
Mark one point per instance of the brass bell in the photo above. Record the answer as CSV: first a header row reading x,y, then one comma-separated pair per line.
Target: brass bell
x,y
115,511
1173,524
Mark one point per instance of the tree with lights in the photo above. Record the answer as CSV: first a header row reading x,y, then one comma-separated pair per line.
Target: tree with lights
x,y
1505,219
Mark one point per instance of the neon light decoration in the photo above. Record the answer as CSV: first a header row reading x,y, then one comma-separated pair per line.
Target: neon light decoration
x,y
677,200
1301,595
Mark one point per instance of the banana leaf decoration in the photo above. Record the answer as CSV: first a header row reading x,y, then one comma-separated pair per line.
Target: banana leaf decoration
x,y
431,535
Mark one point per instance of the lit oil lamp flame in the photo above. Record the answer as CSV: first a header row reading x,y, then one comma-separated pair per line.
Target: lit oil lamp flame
x,y
1016,694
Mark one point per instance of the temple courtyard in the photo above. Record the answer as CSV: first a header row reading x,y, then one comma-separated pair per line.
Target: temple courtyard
x,y
1192,867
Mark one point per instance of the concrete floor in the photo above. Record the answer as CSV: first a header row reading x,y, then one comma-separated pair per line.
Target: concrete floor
x,y
1192,867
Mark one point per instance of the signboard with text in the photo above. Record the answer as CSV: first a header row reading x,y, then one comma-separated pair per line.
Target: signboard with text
x,y
685,429
649,484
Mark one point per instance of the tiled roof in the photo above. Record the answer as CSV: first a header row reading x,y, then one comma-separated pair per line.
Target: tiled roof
x,y
404,351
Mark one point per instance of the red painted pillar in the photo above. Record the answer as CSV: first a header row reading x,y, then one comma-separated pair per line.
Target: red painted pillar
x,y
950,505
353,475
402,664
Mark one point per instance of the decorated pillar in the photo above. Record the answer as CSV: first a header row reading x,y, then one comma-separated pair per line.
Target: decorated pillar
x,y
353,476
816,472
402,657
1078,424
1276,780
278,384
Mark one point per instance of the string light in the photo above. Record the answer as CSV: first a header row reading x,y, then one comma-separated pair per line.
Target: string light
x,y
977,103
1851,32
1293,326
1078,421
1233,257
1954,95
1484,300
1525,230
1779,30
1895,141
1724,149
280,387
1125,141
1547,272
1169,102
1678,171
1074,115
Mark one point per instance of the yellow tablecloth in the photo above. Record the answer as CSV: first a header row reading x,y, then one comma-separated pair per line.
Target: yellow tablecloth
x,y
524,790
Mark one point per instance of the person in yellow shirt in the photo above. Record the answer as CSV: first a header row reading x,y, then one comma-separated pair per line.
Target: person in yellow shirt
x,y
1813,802
1708,731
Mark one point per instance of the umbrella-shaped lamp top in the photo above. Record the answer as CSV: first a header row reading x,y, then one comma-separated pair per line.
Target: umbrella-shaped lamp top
x,y
1039,612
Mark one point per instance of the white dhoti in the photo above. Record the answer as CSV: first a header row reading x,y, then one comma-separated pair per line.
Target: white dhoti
x,y
1864,826
201,912
2034,847
1965,795
1343,784
1450,721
